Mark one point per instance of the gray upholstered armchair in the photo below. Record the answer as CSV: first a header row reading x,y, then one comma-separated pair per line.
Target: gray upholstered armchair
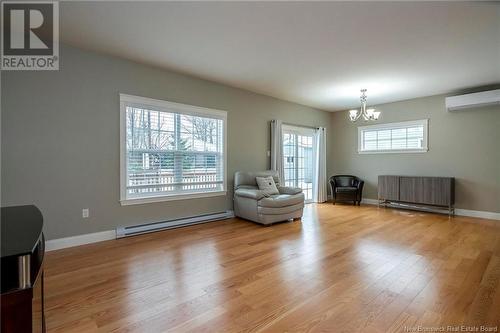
x,y
253,204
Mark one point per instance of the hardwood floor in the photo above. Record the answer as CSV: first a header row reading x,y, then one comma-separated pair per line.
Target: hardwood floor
x,y
340,269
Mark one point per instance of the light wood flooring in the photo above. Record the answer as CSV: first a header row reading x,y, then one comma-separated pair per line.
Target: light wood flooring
x,y
341,269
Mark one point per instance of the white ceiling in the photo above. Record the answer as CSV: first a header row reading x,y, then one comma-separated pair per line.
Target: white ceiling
x,y
313,53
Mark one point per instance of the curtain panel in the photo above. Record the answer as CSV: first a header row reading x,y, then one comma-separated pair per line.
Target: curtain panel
x,y
277,148
320,183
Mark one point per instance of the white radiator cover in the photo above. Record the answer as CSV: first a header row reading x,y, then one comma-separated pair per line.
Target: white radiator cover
x,y
170,224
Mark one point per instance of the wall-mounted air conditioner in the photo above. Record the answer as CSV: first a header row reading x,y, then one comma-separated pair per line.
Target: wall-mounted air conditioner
x,y
474,100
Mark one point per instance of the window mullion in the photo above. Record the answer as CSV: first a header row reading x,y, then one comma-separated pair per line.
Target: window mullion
x,y
390,140
406,137
149,128
178,156
218,161
296,160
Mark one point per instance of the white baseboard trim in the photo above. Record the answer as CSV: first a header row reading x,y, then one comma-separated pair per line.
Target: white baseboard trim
x,y
62,243
458,211
367,201
145,228
477,213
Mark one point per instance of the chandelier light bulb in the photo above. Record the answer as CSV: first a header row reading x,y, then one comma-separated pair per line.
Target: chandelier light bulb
x,y
353,115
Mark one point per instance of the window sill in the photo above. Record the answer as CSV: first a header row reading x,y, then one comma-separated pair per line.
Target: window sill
x,y
425,150
146,200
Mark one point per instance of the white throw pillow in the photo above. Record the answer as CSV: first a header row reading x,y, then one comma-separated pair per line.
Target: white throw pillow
x,y
267,185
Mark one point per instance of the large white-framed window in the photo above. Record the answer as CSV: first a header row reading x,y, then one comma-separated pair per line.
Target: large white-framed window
x,y
170,151
402,137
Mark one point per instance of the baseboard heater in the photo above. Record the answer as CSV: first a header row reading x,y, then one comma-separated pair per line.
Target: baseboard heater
x,y
171,224
420,208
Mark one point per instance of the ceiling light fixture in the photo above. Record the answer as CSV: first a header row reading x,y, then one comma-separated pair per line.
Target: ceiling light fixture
x,y
368,114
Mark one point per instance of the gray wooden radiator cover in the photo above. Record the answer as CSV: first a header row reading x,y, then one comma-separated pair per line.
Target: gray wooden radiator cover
x,y
436,191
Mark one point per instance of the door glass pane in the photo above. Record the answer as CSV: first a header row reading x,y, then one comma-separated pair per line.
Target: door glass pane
x,y
305,167
298,161
289,158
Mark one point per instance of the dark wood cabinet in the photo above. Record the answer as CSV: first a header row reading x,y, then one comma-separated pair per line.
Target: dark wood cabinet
x,y
22,281
425,191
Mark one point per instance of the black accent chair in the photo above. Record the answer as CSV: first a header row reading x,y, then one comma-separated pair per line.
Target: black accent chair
x,y
346,188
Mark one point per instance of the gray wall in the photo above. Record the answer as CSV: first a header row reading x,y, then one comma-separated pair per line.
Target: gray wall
x,y
60,138
462,144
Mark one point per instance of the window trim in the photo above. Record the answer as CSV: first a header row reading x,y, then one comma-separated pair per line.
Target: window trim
x,y
425,143
297,129
166,106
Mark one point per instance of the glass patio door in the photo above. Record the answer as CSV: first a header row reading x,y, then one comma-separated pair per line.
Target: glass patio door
x,y
298,158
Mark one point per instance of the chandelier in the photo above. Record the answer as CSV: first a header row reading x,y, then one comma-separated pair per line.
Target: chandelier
x,y
368,114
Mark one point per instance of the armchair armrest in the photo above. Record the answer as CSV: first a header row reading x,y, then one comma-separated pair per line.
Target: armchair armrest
x,y
250,193
359,194
289,190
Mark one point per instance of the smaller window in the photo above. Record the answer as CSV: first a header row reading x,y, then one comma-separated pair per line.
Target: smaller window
x,y
404,137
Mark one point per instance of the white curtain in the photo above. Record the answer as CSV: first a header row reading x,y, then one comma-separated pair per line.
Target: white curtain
x,y
319,183
277,148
